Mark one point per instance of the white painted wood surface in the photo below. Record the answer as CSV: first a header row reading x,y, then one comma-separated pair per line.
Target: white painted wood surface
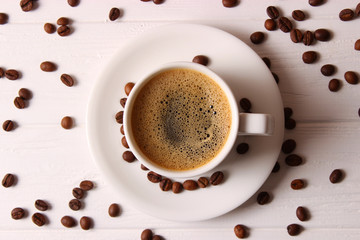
x,y
50,161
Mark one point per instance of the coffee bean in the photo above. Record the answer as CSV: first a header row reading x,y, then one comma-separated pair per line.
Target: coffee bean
x,y
357,45
48,66
143,167
287,112
157,237
63,21
64,31
245,104
158,1
322,35
75,204
17,213
2,72
242,148
12,74
288,146
67,80
296,35
25,93
241,231
293,160
73,3
49,28
39,219
351,77
85,223
285,24
190,185
290,123
263,198
165,184
216,178
123,102
203,182
229,3
272,12
68,221
334,85
308,38
26,5
114,210
327,70
128,156
41,205
124,142
122,130
257,37
86,185
276,167
154,177
147,234
177,187
302,213
346,14
201,59
3,18
128,87
359,112
298,15
294,229
8,180
8,125
119,117
67,122
267,61
276,77
114,14
336,176
19,103
309,57
78,193
316,3
297,184
270,24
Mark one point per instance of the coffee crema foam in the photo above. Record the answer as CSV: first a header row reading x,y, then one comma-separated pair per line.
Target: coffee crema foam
x,y
181,119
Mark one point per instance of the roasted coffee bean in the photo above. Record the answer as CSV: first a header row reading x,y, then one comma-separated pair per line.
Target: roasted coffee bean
x,y
26,5
39,219
154,177
78,193
272,12
147,234
19,103
229,3
346,14
114,210
190,185
308,38
276,77
157,237
25,93
298,15
73,3
257,37
177,187
165,184
2,72
75,204
302,213
359,112
294,229
351,77
124,142
3,18
119,117
41,205
316,3
290,123
334,85
12,74
216,178
357,45
67,122
122,130
270,24
128,156
49,28
63,21
245,104
297,184
201,59
241,231
64,31
322,35
242,148
17,213
158,1
48,66
288,112
67,80
86,185
128,87
263,198
327,70
309,57
8,125
336,176
203,182
267,62
285,24
85,223
68,221
276,167
123,102
293,160
288,146
296,35
8,180
114,14
143,167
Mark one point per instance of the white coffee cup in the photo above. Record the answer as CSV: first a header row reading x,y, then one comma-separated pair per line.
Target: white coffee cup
x,y
261,124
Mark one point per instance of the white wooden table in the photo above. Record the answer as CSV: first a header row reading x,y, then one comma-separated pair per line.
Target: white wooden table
x,y
49,161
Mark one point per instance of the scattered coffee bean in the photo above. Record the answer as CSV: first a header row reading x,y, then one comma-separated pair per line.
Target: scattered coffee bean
x,y
114,14
298,15
12,74
75,204
19,103
229,3
203,182
177,187
157,237
122,130
242,148
2,72
357,45
124,142
114,210
297,184
346,14
357,10
78,193
154,177
293,160
26,5
267,62
263,198
39,219
294,229
309,57
119,117
8,180
49,28
48,66
128,156
272,12
143,167
327,70
296,35
359,112
41,205
68,221
25,93
201,59
276,167
3,18
276,77
216,178
257,37
17,213
123,102
270,24
285,24
351,77
290,123
322,35
63,21
158,1
147,234
128,87
190,185
165,184
245,104
334,85
8,125
85,223
86,185
67,122
67,80
302,213
288,146
240,231
308,38
316,3
288,112
73,3
64,31
336,176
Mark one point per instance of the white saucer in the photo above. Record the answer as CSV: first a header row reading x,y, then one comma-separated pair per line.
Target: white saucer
x,y
246,75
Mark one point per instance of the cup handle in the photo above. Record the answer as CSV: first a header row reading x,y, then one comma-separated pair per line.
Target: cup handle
x,y
256,124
